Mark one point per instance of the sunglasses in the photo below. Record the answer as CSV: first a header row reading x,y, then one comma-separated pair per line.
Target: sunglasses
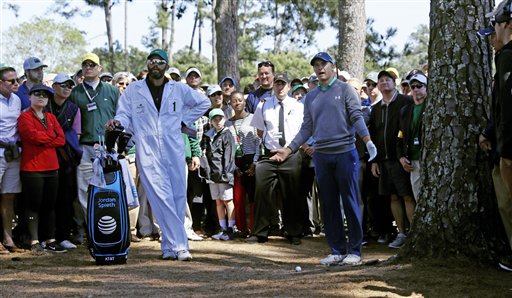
x,y
89,65
371,85
156,61
12,81
65,85
123,83
266,64
417,86
106,79
216,94
41,94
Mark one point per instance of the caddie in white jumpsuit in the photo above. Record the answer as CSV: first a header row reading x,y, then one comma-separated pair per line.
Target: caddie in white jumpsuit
x,y
153,110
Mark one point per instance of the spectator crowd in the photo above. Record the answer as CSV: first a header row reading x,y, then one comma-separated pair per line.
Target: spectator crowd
x,y
326,155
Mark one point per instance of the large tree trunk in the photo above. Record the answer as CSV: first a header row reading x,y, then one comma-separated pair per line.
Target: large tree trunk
x,y
456,216
226,27
107,7
352,33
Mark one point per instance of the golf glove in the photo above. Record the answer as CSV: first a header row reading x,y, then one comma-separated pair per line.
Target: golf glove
x,y
372,150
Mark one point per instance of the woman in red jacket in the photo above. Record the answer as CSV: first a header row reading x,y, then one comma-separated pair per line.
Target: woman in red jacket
x,y
40,134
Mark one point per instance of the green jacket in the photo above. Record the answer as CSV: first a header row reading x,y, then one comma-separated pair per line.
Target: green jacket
x,y
105,96
192,148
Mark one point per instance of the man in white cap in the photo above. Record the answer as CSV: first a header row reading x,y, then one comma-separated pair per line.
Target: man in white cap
x,y
175,74
33,67
409,140
193,78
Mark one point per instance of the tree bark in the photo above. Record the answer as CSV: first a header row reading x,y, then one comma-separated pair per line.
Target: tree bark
x,y
214,39
456,216
107,7
352,34
226,27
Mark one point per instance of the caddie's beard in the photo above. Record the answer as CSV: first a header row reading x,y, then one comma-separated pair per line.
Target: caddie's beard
x,y
156,74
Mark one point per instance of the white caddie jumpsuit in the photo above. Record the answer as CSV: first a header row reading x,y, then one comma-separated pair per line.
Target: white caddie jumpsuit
x,y
160,154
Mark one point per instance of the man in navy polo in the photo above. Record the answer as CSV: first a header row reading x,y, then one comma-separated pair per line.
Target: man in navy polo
x,y
33,67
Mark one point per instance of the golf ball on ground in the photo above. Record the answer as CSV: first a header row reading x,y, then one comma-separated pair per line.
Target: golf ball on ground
x,y
298,269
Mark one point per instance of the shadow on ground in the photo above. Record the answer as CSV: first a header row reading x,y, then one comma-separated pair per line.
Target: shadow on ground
x,y
235,268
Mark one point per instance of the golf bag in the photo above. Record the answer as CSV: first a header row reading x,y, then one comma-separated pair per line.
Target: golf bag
x,y
108,225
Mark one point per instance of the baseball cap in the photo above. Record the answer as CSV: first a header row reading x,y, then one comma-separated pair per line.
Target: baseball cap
x,y
297,87
372,76
393,71
412,73
215,112
33,63
312,78
105,74
41,87
228,78
191,70
322,56
281,77
420,78
5,66
92,57
502,12
62,78
174,70
404,82
159,52
486,31
345,74
212,89
296,81
386,73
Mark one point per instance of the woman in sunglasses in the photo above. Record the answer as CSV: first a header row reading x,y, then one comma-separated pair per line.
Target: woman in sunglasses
x,y
121,80
40,135
69,156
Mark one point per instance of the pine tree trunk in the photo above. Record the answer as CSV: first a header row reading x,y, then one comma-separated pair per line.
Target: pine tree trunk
x,y
226,27
352,34
456,216
108,20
